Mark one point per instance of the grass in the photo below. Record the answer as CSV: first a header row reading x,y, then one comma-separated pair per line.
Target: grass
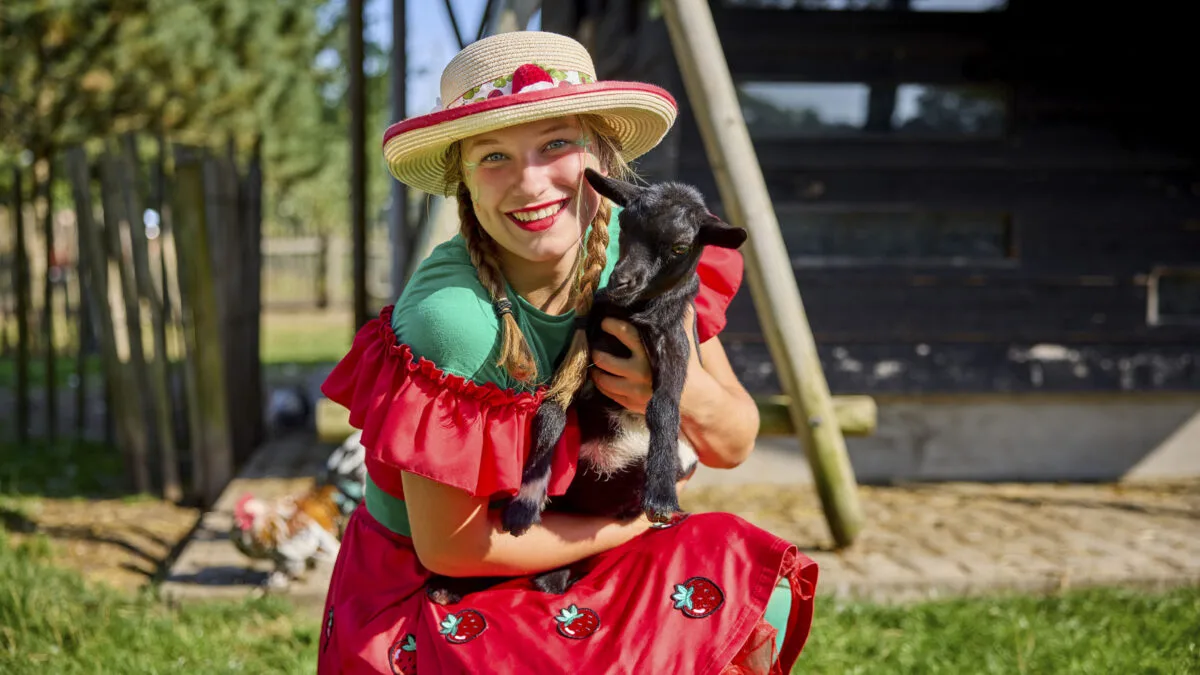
x,y
1084,631
64,370
51,621
305,338
67,468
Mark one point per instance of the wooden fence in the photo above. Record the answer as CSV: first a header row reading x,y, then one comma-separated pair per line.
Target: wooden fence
x,y
156,277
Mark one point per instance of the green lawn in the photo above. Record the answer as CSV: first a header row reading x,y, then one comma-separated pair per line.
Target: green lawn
x,y
305,337
1093,631
51,621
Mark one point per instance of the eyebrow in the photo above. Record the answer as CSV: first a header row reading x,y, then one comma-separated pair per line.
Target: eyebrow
x,y
485,141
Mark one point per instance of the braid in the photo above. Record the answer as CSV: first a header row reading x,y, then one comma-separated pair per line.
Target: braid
x,y
515,355
573,371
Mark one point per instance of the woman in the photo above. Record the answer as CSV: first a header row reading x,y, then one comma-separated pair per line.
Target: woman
x,y
444,385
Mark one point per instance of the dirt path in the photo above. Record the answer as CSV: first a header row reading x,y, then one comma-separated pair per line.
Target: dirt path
x,y
122,543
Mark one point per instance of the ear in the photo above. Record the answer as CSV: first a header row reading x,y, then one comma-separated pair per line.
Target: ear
x,y
716,232
617,190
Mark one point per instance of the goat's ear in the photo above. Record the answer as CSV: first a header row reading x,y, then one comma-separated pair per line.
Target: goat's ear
x,y
617,190
716,232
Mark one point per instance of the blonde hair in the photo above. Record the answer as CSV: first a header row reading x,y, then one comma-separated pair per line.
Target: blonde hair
x,y
515,355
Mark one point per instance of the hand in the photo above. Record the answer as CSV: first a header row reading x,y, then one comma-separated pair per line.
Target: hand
x,y
628,381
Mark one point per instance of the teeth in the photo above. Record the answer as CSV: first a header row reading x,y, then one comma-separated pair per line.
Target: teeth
x,y
530,216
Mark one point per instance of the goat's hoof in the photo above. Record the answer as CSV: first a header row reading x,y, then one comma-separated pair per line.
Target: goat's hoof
x,y
660,512
519,516
442,596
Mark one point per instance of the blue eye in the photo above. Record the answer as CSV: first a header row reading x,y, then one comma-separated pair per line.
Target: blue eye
x,y
557,144
494,157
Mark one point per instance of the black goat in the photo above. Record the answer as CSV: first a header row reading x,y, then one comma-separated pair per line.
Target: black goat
x,y
628,463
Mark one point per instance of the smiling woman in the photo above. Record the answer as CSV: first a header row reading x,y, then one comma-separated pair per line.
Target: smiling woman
x,y
445,383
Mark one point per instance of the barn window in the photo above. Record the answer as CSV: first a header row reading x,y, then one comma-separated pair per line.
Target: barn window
x,y
797,110
1173,296
817,237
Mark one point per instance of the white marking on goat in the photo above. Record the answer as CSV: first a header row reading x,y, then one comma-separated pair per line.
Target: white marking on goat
x,y
535,492
631,444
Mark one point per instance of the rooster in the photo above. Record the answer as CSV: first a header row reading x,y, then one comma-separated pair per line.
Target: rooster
x,y
296,532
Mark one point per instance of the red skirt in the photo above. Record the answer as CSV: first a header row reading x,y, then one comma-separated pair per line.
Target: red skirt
x,y
688,598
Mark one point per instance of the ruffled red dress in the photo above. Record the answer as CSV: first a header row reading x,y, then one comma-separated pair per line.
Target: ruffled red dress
x,y
687,598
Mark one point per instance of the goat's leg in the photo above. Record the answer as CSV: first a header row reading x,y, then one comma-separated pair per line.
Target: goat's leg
x,y
668,359
525,509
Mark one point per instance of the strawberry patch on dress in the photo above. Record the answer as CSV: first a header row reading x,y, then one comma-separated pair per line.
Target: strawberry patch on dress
x,y
463,626
698,597
403,655
576,623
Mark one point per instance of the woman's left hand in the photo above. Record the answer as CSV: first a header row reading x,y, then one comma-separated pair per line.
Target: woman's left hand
x,y
628,381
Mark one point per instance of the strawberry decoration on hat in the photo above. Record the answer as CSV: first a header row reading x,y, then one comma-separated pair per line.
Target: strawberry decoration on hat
x,y
531,77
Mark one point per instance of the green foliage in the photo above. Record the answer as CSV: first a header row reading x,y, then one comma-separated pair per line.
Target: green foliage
x,y
203,72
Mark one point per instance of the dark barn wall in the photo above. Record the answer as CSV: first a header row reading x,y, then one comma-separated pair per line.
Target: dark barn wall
x,y
1020,258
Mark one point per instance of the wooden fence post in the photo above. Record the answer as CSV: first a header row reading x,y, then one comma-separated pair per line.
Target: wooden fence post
x,y
45,167
93,281
21,288
136,380
769,271
160,378
212,450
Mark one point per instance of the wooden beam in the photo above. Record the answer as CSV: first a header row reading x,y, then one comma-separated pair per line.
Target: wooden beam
x,y
772,282
856,416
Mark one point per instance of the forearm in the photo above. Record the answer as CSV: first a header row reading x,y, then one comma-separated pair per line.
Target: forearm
x,y
721,424
482,548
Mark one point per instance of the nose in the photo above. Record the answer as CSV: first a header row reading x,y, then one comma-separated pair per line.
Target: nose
x,y
534,176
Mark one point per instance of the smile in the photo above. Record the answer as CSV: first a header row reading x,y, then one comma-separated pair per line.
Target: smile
x,y
537,218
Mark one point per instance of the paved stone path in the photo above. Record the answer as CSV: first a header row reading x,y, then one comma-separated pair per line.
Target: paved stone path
x,y
920,541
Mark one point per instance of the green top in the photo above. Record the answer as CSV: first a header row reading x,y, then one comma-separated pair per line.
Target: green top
x,y
446,316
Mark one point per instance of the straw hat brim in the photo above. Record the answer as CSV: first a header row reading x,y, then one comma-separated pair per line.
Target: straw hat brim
x,y
415,149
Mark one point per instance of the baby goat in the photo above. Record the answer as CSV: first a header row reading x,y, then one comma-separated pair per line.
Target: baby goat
x,y
628,463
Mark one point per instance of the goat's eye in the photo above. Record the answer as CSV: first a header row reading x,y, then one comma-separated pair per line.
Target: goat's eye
x,y
680,249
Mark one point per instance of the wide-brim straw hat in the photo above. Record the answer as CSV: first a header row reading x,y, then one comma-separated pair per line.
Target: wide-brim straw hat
x,y
518,77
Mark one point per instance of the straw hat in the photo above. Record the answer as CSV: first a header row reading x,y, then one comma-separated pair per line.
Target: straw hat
x,y
514,78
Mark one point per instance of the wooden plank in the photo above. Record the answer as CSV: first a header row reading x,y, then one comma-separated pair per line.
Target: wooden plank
x,y
159,375
134,382
771,279
212,449
44,177
21,288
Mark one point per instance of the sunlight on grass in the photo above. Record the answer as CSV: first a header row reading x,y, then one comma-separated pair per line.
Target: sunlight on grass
x,y
306,337
1087,631
53,622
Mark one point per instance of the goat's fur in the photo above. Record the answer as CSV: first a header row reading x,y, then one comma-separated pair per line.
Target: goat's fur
x,y
628,463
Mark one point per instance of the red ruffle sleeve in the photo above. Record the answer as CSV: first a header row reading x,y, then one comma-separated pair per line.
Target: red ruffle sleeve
x,y
720,272
419,419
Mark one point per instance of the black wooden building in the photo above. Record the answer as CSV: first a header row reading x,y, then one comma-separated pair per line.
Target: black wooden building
x,y
979,197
